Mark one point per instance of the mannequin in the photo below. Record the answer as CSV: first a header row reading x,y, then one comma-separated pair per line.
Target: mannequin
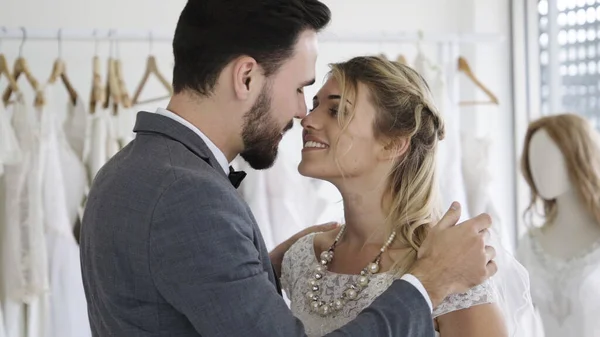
x,y
561,164
573,226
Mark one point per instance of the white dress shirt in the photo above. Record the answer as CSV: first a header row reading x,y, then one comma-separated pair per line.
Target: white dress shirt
x,y
225,165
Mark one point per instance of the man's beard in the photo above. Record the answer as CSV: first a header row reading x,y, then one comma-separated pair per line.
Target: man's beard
x,y
261,133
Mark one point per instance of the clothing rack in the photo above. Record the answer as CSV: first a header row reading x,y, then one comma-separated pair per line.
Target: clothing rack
x,y
28,34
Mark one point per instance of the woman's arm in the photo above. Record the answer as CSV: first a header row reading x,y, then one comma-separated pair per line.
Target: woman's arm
x,y
476,321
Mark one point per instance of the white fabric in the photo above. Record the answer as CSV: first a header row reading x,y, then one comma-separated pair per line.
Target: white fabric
x,y
103,142
211,146
125,122
24,255
298,269
71,141
449,165
566,292
76,127
282,201
10,152
77,133
417,284
64,181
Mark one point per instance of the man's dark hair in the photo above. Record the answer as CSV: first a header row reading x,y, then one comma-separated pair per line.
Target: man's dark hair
x,y
211,33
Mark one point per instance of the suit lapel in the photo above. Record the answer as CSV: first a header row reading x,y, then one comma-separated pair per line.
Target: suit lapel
x,y
148,122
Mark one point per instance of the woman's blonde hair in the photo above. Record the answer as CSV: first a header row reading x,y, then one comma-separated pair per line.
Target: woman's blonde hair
x,y
405,109
578,142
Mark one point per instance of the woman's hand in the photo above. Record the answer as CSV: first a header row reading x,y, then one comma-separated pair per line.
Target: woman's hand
x,y
278,252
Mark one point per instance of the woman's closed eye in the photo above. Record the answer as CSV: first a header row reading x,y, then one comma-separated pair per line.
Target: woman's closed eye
x,y
333,111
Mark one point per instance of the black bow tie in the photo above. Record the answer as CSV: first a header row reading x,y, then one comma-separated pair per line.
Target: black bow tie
x,y
236,177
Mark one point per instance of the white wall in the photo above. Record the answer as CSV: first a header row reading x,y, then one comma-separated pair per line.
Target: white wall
x,y
490,62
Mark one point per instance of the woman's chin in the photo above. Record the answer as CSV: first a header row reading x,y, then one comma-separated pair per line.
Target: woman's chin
x,y
303,170
308,170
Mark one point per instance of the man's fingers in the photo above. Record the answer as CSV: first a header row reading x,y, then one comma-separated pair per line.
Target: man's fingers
x,y
487,235
329,225
481,222
451,217
491,268
323,227
490,253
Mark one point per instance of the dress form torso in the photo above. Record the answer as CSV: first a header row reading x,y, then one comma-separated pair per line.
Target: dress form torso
x,y
562,257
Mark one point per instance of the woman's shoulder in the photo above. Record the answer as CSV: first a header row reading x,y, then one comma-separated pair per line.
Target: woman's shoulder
x,y
307,248
323,240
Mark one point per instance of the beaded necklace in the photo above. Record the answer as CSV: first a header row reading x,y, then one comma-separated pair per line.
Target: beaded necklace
x,y
321,306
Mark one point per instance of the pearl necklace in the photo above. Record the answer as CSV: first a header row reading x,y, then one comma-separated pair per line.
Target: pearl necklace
x,y
319,305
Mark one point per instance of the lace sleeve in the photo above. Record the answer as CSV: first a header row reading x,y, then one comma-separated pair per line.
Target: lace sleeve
x,y
286,273
481,294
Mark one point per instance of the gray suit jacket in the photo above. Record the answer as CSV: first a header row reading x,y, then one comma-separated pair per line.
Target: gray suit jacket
x,y
169,248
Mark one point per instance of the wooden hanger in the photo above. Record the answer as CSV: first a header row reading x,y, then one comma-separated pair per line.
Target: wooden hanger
x,y
21,67
97,92
463,66
152,68
112,84
112,87
59,71
5,70
125,99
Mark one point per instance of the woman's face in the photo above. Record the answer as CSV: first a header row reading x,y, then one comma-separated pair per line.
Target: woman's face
x,y
355,149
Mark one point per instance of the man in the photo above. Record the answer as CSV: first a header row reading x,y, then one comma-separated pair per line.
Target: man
x,y
169,248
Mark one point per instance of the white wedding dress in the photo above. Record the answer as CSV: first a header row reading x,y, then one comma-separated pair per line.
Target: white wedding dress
x,y
10,154
24,282
64,181
298,268
566,292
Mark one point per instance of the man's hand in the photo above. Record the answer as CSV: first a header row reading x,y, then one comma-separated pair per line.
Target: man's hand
x,y
277,253
454,258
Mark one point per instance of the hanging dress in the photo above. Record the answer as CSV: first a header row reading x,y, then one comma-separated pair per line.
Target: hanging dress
x,y
76,130
25,287
103,141
10,154
64,181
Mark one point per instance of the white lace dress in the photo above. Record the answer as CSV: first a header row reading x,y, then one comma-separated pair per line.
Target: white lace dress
x,y
24,281
63,181
297,269
566,292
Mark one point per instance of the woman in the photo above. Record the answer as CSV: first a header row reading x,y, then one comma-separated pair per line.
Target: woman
x,y
373,133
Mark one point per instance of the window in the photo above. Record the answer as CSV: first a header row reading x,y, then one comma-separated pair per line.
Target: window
x,y
569,50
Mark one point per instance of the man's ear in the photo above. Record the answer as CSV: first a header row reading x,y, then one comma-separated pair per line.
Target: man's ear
x,y
245,76
395,148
